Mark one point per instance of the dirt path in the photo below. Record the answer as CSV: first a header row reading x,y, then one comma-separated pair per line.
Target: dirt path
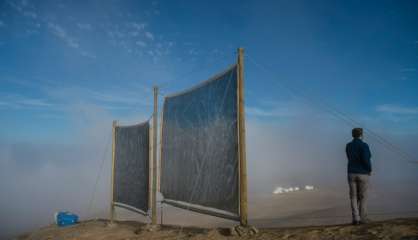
x,y
405,229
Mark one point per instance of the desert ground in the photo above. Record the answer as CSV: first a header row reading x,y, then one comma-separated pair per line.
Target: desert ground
x,y
405,229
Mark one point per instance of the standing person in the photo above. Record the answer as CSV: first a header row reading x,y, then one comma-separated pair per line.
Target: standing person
x,y
359,169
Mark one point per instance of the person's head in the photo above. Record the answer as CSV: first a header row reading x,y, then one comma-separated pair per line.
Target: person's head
x,y
357,132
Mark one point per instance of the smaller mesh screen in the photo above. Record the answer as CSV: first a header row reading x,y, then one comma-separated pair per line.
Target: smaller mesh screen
x,y
131,169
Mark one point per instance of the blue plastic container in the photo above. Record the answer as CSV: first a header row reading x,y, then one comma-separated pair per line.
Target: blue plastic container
x,y
65,219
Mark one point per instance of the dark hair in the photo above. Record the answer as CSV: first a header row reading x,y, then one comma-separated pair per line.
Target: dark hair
x,y
357,132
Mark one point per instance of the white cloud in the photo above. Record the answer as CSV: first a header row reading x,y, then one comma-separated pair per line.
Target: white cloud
x,y
84,26
259,112
141,43
87,54
396,109
73,44
30,14
16,6
19,101
23,8
60,32
119,34
139,26
134,33
193,52
280,109
35,102
24,3
408,70
159,53
31,31
114,98
149,35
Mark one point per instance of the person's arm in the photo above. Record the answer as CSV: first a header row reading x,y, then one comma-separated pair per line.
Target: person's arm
x,y
366,155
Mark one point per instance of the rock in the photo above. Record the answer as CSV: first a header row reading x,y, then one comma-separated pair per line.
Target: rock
x,y
150,227
254,230
243,231
111,224
232,232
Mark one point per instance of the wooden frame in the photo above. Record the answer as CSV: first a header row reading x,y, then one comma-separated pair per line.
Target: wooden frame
x,y
114,204
202,209
154,158
243,210
242,171
112,207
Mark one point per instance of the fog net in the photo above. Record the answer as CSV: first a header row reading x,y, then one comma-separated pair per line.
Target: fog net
x,y
131,167
199,157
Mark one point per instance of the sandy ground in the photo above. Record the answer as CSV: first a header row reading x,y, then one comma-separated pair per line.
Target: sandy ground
x,y
405,229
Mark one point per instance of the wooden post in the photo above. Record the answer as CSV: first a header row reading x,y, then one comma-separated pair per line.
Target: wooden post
x,y
241,141
160,163
112,207
161,149
150,147
154,158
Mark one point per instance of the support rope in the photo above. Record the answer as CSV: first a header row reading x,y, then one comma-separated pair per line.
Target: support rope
x,y
337,113
99,175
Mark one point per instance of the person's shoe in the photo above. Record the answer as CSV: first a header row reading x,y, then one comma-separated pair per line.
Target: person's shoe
x,y
354,222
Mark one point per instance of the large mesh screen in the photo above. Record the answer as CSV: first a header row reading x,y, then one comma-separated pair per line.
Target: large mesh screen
x,y
199,160
131,169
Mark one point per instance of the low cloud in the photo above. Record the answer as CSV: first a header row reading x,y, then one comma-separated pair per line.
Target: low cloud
x,y
53,177
306,151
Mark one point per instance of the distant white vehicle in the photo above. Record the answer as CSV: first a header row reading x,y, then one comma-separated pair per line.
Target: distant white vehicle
x,y
280,190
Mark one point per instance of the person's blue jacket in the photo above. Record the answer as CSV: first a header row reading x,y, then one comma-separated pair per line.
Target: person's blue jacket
x,y
358,154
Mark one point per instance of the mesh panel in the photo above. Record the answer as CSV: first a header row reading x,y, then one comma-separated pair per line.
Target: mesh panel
x,y
199,158
131,179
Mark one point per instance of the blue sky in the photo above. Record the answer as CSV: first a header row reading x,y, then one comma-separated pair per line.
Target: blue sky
x,y
61,60
68,68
